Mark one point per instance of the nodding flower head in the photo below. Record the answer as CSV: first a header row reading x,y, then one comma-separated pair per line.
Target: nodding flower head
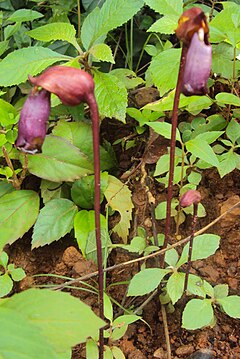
x,y
32,125
190,197
193,31
71,85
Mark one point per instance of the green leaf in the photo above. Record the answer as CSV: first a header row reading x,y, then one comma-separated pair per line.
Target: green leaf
x,y
111,95
54,222
108,308
230,305
107,353
55,31
200,103
233,130
91,349
171,257
112,14
128,78
160,210
164,129
198,286
17,274
6,284
221,291
210,136
102,52
7,113
225,98
164,70
197,314
22,15
59,161
204,246
3,47
63,319
175,286
146,281
30,60
19,208
22,339
166,7
119,199
4,259
228,162
51,190
201,149
5,188
137,245
120,325
166,25
117,353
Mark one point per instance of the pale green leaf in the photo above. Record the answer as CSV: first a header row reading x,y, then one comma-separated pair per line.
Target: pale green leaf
x,y
30,60
63,319
3,47
201,149
198,286
233,130
17,274
112,14
175,285
7,113
221,291
197,314
128,78
227,99
91,349
22,15
4,259
164,129
117,353
164,70
107,353
5,188
204,246
6,284
166,25
59,161
18,212
22,339
171,257
160,210
111,96
108,308
230,305
228,162
118,196
55,31
146,281
166,7
54,221
102,52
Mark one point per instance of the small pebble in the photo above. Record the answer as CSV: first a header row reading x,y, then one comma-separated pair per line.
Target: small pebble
x,y
202,354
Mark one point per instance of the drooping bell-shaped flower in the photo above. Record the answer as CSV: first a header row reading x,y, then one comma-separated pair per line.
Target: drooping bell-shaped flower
x,y
193,31
32,125
190,197
71,85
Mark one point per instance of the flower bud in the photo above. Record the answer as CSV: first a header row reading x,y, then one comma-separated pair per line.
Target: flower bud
x,y
71,85
32,125
198,66
190,197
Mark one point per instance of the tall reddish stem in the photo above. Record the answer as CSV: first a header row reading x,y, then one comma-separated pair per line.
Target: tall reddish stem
x,y
97,190
173,143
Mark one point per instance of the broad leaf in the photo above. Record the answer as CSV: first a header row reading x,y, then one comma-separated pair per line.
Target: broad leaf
x,y
63,319
111,95
171,257
22,339
204,246
112,14
166,7
146,281
91,348
227,99
55,31
166,25
221,291
5,188
230,305
201,149
164,129
30,60
59,161
6,284
233,130
102,52
54,222
7,113
22,15
119,199
18,212
197,314
175,285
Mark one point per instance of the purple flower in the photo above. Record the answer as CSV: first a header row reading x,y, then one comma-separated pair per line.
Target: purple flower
x,y
32,125
198,65
190,197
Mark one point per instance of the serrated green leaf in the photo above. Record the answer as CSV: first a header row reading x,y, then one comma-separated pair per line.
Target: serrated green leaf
x,y
166,25
233,130
204,246
111,96
112,14
22,15
6,284
175,286
55,31
63,319
164,70
198,286
201,149
171,257
59,161
230,305
128,78
22,339
19,208
54,222
228,162
30,60
164,129
221,291
146,281
102,52
119,199
166,7
197,314
227,99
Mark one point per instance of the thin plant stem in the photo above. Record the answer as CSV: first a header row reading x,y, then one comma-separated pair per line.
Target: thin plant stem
x,y
181,185
143,49
16,182
131,45
173,143
166,331
97,195
194,221
79,18
152,255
